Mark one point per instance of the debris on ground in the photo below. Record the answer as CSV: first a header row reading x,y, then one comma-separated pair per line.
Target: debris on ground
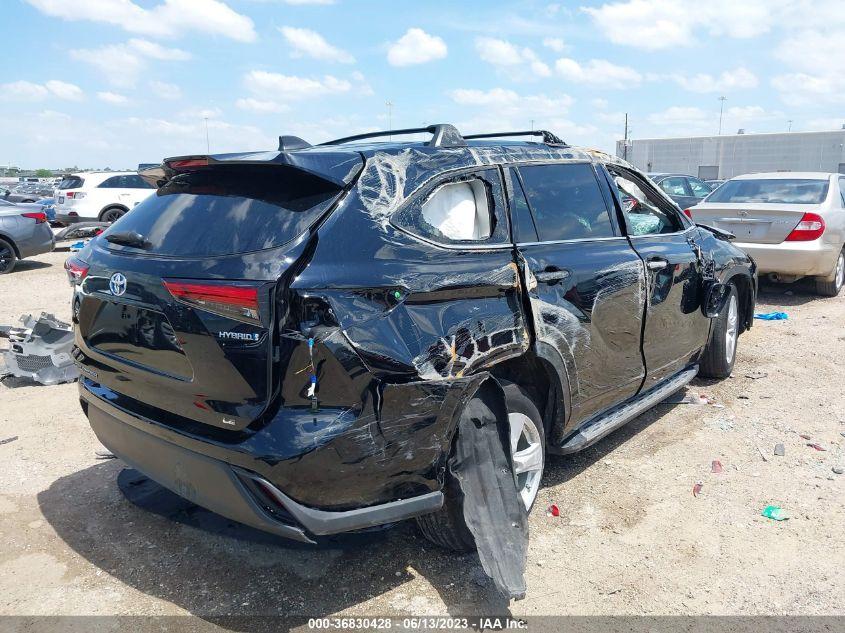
x,y
838,469
818,447
716,466
772,316
775,513
554,510
40,350
9,439
757,375
804,436
105,455
696,489
780,450
762,454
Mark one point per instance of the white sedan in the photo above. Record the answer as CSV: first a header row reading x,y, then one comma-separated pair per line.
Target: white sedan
x,y
791,223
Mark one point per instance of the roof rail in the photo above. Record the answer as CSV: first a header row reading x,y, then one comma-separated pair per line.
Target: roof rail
x,y
443,135
548,137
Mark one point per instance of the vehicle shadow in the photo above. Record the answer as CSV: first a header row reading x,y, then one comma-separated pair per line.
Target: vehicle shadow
x,y
236,576
562,468
29,264
794,294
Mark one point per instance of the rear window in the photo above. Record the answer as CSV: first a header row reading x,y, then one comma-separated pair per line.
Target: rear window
x,y
774,191
71,182
227,210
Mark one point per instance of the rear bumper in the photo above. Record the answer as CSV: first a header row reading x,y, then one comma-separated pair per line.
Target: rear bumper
x,y
41,241
816,258
230,490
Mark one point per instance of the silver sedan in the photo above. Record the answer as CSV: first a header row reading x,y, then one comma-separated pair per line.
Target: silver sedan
x,y
24,232
791,223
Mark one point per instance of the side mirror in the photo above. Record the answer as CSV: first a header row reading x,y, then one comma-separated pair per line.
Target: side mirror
x,y
715,296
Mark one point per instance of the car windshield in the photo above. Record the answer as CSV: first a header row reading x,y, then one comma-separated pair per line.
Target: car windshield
x,y
772,191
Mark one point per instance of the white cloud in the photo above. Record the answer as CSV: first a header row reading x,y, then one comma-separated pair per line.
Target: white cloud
x,y
508,103
416,47
510,58
22,91
301,2
736,79
693,120
818,59
555,43
308,43
260,106
276,87
659,24
122,64
112,97
598,72
29,91
164,90
168,19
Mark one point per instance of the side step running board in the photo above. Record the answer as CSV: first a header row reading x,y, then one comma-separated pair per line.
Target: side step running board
x,y
593,430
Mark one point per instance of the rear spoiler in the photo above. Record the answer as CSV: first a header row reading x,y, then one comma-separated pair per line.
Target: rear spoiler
x,y
339,168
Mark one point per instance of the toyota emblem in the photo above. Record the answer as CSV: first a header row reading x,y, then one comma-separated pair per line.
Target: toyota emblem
x,y
117,284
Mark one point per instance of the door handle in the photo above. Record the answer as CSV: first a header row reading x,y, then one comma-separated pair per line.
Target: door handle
x,y
552,275
657,264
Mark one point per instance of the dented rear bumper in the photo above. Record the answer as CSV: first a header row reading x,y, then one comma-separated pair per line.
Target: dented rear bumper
x,y
303,473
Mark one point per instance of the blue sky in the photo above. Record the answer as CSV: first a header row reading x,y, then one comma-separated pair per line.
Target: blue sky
x,y
98,83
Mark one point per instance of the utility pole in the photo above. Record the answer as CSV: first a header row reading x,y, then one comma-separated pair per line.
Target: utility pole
x,y
789,125
389,105
625,141
207,143
721,109
532,124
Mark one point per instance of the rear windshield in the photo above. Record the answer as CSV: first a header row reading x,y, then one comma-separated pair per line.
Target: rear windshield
x,y
71,182
227,210
774,191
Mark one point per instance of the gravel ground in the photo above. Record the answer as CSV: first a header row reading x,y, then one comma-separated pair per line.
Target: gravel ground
x,y
631,538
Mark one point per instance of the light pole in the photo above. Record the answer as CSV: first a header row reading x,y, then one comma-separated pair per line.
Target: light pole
x,y
389,105
207,143
789,125
721,109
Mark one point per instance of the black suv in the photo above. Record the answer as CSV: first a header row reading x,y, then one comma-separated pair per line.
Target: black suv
x,y
291,338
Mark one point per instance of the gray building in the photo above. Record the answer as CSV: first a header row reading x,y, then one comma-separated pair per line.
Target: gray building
x,y
726,156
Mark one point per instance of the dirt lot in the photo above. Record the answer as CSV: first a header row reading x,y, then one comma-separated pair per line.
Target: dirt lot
x,y
631,538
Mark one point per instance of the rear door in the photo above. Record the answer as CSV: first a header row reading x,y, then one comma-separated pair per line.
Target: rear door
x,y
585,283
675,327
762,211
178,309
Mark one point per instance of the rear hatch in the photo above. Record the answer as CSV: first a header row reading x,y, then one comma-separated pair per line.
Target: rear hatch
x,y
66,192
761,211
180,302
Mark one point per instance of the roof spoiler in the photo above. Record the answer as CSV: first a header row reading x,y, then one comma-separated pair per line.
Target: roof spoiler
x,y
337,168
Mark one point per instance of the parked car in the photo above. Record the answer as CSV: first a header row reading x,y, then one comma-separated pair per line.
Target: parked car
x,y
25,193
290,338
24,232
48,206
685,190
791,223
99,196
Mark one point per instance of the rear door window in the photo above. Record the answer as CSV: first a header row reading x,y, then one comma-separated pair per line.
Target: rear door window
x,y
566,201
523,225
675,186
465,208
228,210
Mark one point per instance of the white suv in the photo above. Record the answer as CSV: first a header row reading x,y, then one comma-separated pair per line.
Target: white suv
x,y
96,195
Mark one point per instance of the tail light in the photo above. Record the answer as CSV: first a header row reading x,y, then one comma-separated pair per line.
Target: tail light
x,y
236,302
76,270
688,213
188,163
40,217
75,195
809,228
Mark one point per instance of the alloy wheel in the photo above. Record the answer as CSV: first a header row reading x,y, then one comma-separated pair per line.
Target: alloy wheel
x,y
113,216
840,271
7,257
528,458
732,328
